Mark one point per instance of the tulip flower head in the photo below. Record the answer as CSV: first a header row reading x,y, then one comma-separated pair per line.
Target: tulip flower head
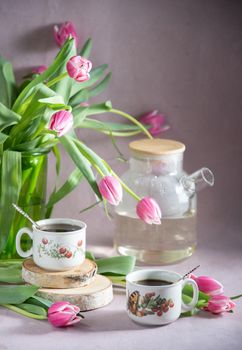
x,y
219,303
78,68
111,189
149,211
63,314
156,120
208,285
63,32
39,69
61,122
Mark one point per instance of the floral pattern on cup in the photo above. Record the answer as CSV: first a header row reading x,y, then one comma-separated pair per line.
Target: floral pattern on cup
x,y
58,251
149,304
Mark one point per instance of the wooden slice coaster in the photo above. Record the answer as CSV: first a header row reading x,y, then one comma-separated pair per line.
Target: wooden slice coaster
x,y
77,277
97,294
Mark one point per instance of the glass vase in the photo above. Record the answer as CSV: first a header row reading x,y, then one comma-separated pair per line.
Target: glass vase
x,y
32,200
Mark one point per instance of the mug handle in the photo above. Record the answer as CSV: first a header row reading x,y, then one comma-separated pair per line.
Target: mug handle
x,y
192,304
22,253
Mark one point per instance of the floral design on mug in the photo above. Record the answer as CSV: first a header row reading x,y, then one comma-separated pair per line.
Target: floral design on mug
x,y
149,304
57,250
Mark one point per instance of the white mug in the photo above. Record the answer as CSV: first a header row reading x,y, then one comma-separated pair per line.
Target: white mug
x,y
52,250
157,304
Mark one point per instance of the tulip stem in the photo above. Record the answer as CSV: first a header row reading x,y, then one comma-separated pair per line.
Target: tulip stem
x,y
127,189
236,297
122,133
57,79
24,313
132,119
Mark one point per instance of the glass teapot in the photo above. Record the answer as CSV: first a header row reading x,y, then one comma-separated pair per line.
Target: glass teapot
x,y
156,170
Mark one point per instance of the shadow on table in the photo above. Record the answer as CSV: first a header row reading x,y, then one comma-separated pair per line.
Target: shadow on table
x,y
109,321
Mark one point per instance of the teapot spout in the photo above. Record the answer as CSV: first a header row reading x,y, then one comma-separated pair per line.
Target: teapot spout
x,y
198,180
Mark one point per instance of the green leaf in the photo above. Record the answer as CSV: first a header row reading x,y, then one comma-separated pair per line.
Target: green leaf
x,y
80,97
25,313
80,113
36,300
121,265
7,83
16,294
57,155
90,256
189,313
55,102
117,280
86,49
34,309
7,117
11,262
81,162
53,70
11,274
101,86
84,94
10,189
188,291
95,75
71,183
92,157
3,138
107,126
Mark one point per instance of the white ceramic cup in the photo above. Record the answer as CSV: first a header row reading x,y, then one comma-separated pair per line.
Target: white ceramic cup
x,y
56,251
157,305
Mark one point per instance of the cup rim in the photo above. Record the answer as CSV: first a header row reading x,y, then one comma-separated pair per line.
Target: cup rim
x,y
76,222
129,276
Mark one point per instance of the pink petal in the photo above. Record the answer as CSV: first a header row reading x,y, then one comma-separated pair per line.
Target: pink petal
x,y
60,319
58,306
148,210
75,320
208,285
111,189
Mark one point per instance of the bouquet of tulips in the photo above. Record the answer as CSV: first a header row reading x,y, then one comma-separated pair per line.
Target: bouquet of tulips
x,y
45,111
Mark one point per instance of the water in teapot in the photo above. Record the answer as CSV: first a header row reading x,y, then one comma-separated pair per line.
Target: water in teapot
x,y
156,170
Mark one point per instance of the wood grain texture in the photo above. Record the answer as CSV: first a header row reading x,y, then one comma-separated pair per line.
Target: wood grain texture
x,y
97,294
77,277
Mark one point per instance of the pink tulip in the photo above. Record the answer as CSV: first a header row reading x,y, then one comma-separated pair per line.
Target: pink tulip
x,y
78,68
219,303
61,122
39,69
156,120
63,32
63,314
111,189
208,285
149,211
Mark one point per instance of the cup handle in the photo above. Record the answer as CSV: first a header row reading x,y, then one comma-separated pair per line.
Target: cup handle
x,y
192,304
22,253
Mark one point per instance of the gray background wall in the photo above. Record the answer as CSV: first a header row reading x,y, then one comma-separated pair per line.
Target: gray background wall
x,y
181,57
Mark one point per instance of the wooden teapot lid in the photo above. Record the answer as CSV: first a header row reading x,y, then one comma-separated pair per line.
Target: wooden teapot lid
x,y
156,147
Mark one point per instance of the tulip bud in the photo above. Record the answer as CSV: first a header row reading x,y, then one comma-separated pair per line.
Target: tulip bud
x,y
63,32
156,120
39,69
62,314
149,211
111,189
61,122
208,285
219,303
78,68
